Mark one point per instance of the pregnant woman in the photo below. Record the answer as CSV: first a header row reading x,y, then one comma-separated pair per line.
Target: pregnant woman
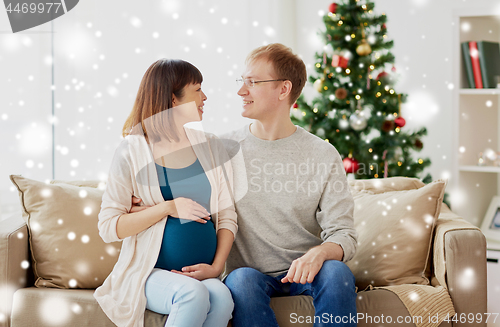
x,y
175,248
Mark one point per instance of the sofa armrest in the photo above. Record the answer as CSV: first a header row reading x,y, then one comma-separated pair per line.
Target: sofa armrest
x,y
460,265
13,251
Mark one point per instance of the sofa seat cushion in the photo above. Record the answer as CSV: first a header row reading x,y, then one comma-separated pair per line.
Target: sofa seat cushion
x,y
70,307
46,307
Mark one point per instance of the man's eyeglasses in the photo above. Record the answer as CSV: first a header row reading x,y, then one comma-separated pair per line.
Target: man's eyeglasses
x,y
251,83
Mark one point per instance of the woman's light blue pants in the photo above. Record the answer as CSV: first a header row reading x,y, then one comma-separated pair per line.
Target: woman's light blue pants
x,y
187,301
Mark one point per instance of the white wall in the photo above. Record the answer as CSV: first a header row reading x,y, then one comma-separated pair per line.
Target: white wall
x,y
102,48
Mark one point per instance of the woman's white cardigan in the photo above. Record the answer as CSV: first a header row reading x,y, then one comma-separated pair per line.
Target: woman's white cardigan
x,y
133,172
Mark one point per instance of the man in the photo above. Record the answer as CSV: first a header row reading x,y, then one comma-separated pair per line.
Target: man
x,y
295,221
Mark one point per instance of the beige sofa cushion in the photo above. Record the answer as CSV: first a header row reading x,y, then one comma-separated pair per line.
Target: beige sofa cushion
x,y
382,185
51,307
67,251
394,234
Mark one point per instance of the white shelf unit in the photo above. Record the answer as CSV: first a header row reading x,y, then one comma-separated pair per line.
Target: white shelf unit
x,y
476,122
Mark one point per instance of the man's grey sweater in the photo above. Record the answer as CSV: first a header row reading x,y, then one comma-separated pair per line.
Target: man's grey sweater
x,y
297,198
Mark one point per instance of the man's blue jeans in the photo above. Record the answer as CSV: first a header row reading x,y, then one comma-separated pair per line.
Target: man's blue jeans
x,y
333,293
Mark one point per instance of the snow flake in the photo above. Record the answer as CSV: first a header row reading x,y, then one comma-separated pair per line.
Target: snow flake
x,y
55,311
87,211
414,296
46,192
269,31
465,26
72,283
48,60
111,250
136,22
467,278
71,236
112,91
76,308
428,219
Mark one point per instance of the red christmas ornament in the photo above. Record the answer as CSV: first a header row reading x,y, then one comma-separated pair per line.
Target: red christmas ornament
x,y
351,165
332,8
295,105
400,121
384,26
381,75
384,77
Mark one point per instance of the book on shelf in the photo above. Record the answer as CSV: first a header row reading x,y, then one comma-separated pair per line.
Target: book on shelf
x,y
489,60
476,67
468,64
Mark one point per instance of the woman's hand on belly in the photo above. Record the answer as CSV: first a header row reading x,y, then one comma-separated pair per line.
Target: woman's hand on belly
x,y
200,271
188,209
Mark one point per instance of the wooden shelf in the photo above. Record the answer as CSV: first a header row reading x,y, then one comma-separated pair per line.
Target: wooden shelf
x,y
480,169
480,91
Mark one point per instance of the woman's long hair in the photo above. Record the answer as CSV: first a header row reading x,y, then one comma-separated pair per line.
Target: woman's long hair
x,y
163,79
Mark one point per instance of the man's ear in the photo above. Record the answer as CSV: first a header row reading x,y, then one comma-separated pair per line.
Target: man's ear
x,y
285,90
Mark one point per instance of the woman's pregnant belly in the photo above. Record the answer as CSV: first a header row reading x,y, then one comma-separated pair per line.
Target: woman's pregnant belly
x,y
185,243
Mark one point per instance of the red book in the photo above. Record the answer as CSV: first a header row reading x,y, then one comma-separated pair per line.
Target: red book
x,y
476,67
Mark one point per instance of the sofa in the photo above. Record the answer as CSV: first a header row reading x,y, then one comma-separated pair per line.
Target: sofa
x,y
415,258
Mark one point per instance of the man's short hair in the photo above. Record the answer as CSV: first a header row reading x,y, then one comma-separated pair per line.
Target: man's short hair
x,y
287,65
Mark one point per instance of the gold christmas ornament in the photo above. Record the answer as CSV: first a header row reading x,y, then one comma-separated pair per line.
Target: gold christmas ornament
x,y
318,85
363,49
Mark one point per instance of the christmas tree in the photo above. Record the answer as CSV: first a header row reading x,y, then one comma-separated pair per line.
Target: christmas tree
x,y
357,108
